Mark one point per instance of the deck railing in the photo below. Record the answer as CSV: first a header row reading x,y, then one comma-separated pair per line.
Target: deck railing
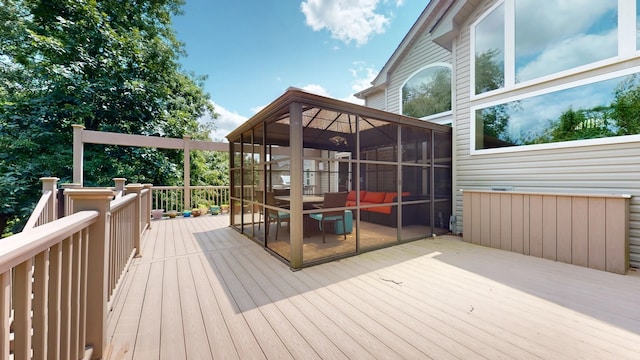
x,y
172,198
44,294
59,277
45,210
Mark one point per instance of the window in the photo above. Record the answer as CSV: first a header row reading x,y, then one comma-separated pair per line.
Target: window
x,y
520,41
489,52
607,107
637,24
427,92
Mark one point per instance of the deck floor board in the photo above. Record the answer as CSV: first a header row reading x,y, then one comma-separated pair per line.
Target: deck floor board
x,y
201,290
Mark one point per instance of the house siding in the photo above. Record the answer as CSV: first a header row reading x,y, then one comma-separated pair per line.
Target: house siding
x,y
376,101
597,169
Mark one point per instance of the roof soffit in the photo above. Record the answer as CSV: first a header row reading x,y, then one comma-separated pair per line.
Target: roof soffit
x,y
447,26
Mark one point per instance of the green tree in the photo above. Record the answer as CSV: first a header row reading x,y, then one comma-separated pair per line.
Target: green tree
x,y
489,71
110,65
626,106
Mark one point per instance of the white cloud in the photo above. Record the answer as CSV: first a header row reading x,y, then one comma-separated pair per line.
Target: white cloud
x,y
363,75
573,52
226,122
316,89
557,20
346,20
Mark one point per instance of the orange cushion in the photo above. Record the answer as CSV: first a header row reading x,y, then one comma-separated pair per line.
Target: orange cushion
x,y
381,209
352,195
374,197
388,197
350,203
405,193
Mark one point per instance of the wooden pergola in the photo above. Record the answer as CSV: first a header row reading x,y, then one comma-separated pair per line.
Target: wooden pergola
x,y
82,136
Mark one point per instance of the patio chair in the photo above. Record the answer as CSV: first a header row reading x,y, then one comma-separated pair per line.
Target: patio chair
x,y
331,200
274,215
260,199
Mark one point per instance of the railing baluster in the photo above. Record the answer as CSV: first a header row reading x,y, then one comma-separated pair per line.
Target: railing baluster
x,y
84,250
22,310
76,262
55,280
5,312
40,306
65,300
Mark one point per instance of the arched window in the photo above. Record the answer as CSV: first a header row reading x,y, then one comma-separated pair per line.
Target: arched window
x,y
427,92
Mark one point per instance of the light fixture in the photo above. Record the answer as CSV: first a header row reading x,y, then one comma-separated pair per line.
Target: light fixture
x,y
338,140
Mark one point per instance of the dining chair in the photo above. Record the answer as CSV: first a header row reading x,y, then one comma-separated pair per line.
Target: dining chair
x,y
274,215
331,200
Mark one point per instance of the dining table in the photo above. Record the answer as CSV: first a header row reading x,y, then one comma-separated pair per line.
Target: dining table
x,y
308,202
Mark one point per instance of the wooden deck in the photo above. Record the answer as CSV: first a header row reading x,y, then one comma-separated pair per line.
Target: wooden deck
x,y
203,291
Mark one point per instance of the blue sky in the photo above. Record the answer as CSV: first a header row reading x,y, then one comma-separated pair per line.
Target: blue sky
x,y
253,50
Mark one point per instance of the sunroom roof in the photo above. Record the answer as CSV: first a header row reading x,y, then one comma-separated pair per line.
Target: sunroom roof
x,y
329,123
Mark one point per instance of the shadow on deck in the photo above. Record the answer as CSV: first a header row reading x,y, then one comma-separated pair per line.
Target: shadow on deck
x,y
201,290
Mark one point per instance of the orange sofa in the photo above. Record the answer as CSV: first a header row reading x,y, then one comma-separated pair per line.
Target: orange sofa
x,y
381,207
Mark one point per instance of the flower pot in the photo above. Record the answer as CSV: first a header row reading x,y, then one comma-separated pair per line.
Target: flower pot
x,y
195,212
215,210
186,213
225,209
156,214
173,214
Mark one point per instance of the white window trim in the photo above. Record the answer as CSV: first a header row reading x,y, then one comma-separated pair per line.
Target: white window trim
x,y
437,64
553,145
626,49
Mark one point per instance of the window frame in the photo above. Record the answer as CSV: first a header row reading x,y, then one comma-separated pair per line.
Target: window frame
x,y
627,49
552,145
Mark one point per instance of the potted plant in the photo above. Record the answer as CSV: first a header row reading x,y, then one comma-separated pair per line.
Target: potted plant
x,y
156,214
195,212
186,213
224,208
214,209
172,214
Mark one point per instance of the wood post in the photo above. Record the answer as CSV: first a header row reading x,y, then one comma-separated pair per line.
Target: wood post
x,y
187,172
51,184
137,189
148,187
98,263
78,153
119,185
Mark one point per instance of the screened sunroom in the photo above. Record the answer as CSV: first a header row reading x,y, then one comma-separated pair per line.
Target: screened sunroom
x,y
314,179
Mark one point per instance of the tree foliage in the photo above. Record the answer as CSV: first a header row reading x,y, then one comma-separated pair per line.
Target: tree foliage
x,y
489,71
109,65
428,98
626,106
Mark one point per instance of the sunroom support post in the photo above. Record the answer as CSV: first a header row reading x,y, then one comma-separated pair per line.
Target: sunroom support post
x,y
296,224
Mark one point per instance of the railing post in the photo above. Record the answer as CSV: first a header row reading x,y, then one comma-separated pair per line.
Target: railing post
x,y
137,189
149,202
68,207
51,184
119,185
98,263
